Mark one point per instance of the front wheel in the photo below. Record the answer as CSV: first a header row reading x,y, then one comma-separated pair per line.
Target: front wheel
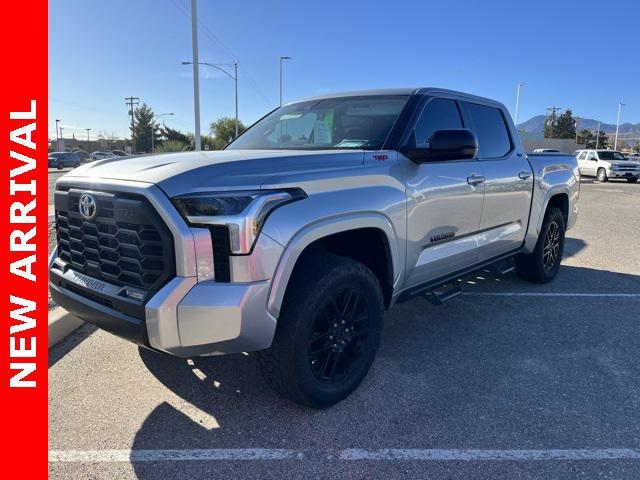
x,y
602,175
328,332
59,166
632,180
543,263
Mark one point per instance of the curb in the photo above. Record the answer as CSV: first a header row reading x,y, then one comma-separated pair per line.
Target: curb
x,y
61,325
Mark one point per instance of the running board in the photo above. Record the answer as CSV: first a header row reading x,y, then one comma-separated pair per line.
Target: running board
x,y
505,264
438,297
503,267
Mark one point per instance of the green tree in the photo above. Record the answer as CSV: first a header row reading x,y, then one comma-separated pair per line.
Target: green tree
x,y
223,131
145,124
565,126
172,146
173,135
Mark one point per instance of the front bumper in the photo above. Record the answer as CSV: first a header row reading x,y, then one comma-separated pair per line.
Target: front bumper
x,y
622,174
184,318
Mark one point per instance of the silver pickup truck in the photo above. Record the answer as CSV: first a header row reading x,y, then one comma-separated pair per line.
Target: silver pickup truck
x,y
295,238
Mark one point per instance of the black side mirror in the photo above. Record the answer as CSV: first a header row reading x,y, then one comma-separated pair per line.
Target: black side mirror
x,y
446,145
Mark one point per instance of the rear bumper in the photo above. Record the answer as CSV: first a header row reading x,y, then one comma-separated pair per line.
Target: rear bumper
x,y
185,318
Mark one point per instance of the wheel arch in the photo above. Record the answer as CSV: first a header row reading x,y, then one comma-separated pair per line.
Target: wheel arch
x,y
368,238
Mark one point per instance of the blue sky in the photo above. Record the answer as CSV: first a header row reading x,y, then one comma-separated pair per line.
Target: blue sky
x,y
579,54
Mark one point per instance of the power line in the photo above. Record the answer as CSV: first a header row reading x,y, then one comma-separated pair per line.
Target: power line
x,y
216,40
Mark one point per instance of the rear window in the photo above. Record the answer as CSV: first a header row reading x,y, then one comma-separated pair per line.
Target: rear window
x,y
490,129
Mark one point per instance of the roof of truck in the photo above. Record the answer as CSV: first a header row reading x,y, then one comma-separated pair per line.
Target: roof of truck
x,y
396,91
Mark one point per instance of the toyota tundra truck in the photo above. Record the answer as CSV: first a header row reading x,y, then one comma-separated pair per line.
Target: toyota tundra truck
x,y
295,239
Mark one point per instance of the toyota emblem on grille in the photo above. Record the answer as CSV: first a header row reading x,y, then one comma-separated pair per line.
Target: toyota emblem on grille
x,y
88,206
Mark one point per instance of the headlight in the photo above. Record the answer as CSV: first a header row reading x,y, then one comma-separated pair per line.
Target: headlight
x,y
243,213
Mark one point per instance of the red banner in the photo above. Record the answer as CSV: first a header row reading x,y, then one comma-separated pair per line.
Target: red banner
x,y
24,228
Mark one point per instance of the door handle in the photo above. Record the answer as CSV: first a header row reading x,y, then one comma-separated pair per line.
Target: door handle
x,y
474,179
524,174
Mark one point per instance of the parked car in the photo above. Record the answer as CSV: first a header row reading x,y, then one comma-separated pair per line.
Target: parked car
x,y
84,156
294,239
101,155
634,157
61,160
119,153
607,164
546,150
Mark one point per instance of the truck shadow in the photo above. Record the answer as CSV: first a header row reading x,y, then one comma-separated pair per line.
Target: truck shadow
x,y
441,374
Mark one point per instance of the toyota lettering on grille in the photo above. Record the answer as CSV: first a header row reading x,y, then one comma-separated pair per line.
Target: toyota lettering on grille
x,y
88,206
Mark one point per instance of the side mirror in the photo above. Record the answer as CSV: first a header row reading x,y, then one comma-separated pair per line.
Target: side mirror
x,y
446,145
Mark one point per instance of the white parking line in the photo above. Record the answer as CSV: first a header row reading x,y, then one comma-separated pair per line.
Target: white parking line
x,y
490,455
110,456
551,294
91,456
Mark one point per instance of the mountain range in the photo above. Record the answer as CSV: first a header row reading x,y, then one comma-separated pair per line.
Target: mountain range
x,y
627,130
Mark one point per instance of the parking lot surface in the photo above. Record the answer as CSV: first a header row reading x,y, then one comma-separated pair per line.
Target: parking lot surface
x,y
510,380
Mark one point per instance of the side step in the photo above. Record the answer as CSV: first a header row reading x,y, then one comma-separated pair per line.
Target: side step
x,y
444,293
503,267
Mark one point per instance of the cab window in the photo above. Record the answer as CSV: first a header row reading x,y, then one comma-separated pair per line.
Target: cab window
x,y
438,114
490,129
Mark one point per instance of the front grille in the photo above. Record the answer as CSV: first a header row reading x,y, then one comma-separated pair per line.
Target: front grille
x,y
126,244
626,168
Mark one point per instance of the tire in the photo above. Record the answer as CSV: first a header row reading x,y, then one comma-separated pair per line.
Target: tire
x,y
542,265
602,175
303,363
632,180
59,166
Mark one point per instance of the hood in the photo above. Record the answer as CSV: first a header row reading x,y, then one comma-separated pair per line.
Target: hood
x,y
178,173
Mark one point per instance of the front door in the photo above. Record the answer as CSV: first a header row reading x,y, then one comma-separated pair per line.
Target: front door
x,y
444,201
508,184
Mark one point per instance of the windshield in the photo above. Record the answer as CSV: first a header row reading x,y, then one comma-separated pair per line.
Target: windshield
x,y
331,123
610,155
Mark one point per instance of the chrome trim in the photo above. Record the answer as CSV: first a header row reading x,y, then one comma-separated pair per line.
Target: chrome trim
x,y
204,254
244,228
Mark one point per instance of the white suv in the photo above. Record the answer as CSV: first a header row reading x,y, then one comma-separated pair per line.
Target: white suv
x,y
607,164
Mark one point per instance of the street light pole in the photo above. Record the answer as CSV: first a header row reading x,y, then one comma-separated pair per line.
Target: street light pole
x,y
88,139
196,74
281,60
615,143
153,128
515,120
598,136
232,77
57,136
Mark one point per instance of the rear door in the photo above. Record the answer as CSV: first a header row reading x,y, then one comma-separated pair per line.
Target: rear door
x,y
508,184
591,163
582,156
444,199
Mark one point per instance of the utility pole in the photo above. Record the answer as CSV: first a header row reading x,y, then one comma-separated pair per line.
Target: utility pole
x,y
615,143
57,136
577,123
598,136
553,119
88,139
196,74
132,102
235,68
515,120
281,60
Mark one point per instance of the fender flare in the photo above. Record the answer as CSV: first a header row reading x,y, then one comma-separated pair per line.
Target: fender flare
x,y
320,229
534,229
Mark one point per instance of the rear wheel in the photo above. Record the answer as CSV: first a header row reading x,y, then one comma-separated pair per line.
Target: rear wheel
x,y
328,332
543,263
602,175
632,180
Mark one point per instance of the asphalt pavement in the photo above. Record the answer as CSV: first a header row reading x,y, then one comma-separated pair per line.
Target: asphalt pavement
x,y
510,380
